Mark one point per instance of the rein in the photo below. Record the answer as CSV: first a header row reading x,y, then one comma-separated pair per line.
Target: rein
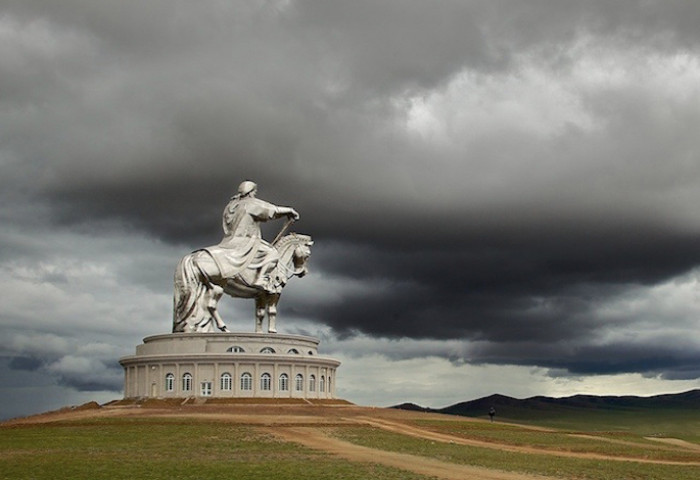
x,y
284,229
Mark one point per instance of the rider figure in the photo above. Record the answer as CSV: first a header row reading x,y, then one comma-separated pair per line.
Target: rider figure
x,y
243,238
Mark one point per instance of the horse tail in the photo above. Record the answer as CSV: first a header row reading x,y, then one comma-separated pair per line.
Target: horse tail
x,y
186,285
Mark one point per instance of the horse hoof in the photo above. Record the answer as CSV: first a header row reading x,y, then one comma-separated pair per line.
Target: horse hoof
x,y
272,330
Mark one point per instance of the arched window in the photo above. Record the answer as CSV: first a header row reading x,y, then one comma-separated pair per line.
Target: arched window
x,y
322,384
186,382
169,382
299,382
284,382
235,349
267,350
265,381
226,381
312,383
311,352
293,351
329,383
246,381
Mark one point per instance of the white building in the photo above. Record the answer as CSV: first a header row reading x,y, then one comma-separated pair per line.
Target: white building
x,y
229,365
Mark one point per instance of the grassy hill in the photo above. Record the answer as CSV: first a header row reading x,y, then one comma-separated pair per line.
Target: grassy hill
x,y
194,440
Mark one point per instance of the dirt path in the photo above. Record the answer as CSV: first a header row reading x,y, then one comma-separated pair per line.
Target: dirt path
x,y
676,442
314,438
671,442
410,430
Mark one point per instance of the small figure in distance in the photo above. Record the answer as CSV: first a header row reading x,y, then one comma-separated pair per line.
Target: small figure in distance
x,y
492,413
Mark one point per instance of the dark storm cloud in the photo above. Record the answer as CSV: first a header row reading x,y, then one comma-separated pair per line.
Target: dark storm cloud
x,y
491,285
99,377
492,171
669,361
81,373
24,363
110,378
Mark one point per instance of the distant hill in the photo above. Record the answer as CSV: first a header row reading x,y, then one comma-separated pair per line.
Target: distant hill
x,y
540,408
412,407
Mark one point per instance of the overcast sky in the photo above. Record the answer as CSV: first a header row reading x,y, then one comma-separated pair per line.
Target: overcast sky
x,y
503,194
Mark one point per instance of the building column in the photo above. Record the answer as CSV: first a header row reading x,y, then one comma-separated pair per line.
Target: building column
x,y
275,381
256,379
178,381
216,381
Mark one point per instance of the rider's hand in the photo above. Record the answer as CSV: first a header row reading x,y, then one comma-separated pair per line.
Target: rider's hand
x,y
293,214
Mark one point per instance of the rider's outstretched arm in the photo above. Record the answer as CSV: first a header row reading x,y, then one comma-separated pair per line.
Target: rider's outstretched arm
x,y
286,211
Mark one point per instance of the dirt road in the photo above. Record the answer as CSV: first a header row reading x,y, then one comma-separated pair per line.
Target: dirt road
x,y
314,438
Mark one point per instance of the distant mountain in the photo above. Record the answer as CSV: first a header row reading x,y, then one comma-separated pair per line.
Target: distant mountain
x,y
411,406
548,407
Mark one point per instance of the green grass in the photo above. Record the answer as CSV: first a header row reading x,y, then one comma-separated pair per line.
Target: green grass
x,y
550,465
154,449
667,422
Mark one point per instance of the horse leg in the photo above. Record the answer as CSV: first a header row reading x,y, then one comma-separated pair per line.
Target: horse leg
x,y
260,309
219,321
272,312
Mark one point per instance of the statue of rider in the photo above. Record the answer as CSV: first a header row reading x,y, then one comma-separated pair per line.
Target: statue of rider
x,y
243,244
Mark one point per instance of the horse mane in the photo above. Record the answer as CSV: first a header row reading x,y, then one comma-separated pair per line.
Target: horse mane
x,y
284,242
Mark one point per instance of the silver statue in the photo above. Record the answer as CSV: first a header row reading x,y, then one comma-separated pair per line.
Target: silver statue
x,y
242,265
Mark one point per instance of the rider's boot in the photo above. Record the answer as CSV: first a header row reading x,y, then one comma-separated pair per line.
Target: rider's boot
x,y
262,282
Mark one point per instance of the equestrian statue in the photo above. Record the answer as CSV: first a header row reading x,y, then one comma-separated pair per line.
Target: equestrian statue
x,y
242,265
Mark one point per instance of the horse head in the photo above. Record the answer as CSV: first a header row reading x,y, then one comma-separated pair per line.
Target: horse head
x,y
294,250
300,257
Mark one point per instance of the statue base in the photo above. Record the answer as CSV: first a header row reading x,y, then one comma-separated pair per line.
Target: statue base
x,y
229,365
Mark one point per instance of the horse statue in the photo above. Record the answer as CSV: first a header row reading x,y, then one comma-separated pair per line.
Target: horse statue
x,y
199,284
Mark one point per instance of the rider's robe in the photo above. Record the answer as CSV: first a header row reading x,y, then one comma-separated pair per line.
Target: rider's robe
x,y
243,246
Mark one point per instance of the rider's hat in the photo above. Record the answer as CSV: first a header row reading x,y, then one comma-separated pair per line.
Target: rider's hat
x,y
246,187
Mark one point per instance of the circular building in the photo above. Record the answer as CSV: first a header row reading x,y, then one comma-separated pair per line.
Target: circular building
x,y
229,365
